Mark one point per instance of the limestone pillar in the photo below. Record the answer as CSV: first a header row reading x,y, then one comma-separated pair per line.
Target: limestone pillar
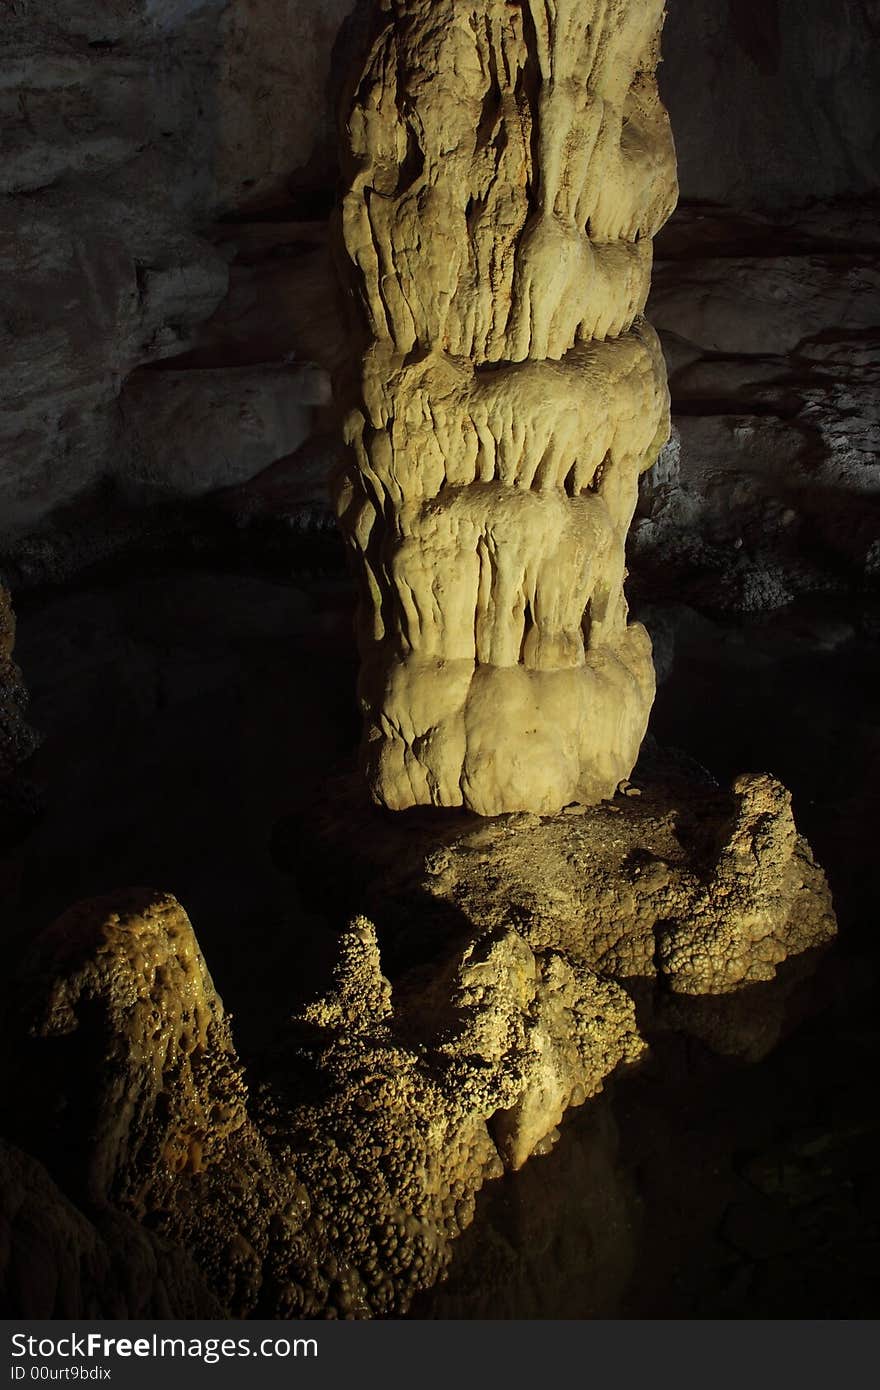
x,y
506,165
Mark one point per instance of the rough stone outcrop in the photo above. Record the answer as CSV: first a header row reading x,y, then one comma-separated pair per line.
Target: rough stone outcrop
x,y
422,1093
137,963
142,1092
507,969
506,167
339,1186
706,905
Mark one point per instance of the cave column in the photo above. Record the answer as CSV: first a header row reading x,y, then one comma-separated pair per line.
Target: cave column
x,y
506,166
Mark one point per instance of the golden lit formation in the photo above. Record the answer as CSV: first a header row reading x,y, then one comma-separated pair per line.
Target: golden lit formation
x,y
506,169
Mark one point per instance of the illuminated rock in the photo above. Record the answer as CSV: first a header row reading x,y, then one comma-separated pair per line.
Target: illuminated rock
x,y
506,167
343,1183
338,1179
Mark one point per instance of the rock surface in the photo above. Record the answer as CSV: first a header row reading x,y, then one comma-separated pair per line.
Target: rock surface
x,y
514,966
132,1052
56,1262
772,101
689,897
131,127
339,1186
505,170
770,486
228,425
18,740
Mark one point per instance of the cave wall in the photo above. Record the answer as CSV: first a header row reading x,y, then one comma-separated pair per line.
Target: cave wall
x,y
767,295
131,127
773,102
168,321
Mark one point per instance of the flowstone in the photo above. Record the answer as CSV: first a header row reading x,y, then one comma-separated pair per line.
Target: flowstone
x,y
506,166
500,972
704,905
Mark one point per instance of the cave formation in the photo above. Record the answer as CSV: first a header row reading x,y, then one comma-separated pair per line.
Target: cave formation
x,y
542,906
506,170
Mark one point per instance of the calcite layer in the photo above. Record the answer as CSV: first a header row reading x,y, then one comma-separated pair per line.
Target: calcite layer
x,y
506,167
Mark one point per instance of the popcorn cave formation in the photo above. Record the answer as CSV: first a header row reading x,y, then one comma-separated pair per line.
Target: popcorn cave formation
x,y
506,169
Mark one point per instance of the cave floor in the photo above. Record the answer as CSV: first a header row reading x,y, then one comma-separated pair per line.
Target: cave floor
x,y
187,712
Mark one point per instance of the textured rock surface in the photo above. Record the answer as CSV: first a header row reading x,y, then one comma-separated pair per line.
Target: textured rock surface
x,y
129,127
505,169
771,484
530,959
137,963
55,1262
108,159
422,1096
341,1185
690,897
132,1052
90,292
274,122
228,425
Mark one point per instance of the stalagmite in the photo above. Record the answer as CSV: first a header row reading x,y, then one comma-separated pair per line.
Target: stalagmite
x,y
506,166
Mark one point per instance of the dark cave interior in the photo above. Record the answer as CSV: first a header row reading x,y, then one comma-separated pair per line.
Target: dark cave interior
x,y
185,612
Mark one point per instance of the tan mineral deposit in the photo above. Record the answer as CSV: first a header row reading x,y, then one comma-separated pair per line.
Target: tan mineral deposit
x,y
334,1176
506,166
